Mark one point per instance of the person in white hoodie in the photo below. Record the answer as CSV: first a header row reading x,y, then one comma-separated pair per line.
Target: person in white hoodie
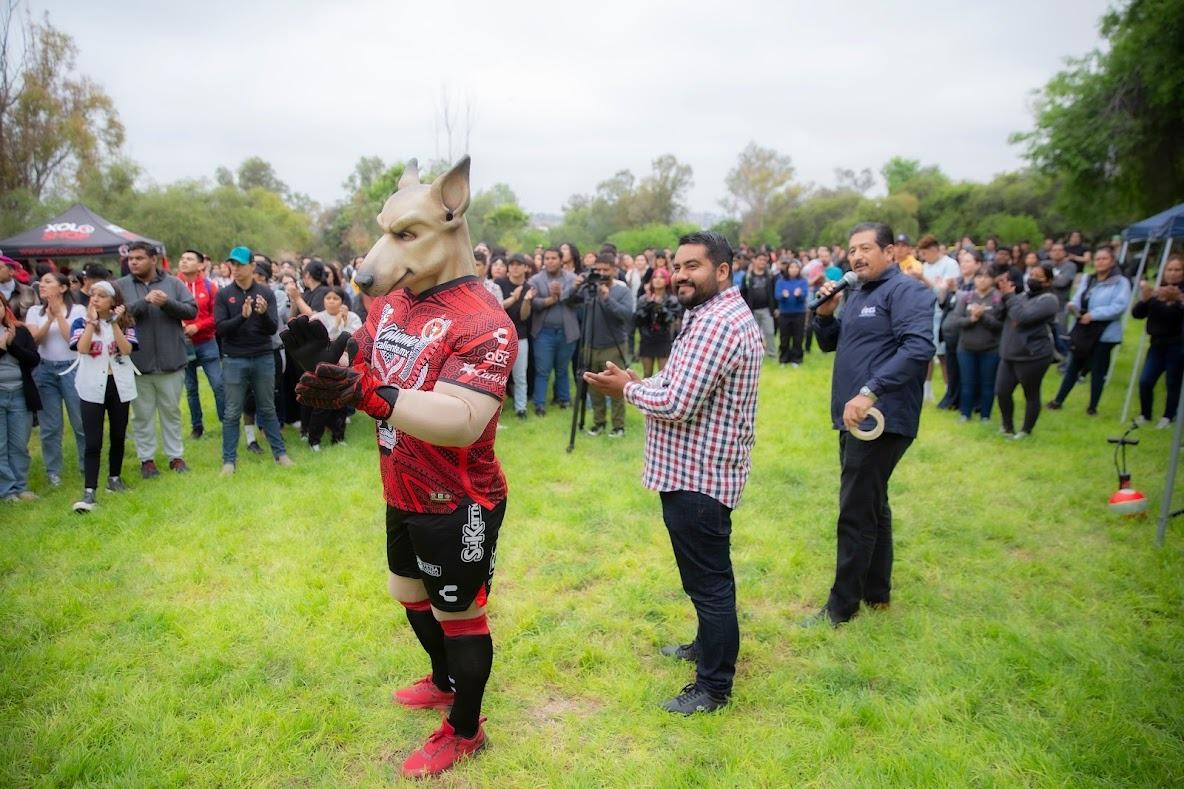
x,y
106,383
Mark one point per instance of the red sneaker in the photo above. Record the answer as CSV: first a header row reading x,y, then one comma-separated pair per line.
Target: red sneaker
x,y
423,695
442,750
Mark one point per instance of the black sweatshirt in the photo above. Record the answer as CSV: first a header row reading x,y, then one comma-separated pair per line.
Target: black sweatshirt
x,y
241,336
1165,320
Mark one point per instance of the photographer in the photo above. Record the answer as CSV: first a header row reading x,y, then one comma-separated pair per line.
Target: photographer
x,y
657,313
611,304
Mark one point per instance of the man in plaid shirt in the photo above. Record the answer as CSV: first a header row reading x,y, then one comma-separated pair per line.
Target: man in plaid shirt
x,y
700,427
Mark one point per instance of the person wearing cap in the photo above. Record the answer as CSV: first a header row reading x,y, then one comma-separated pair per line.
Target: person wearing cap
x,y
246,318
91,273
19,296
158,302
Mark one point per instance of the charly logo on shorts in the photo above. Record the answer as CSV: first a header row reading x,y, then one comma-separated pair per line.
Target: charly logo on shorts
x,y
473,536
429,569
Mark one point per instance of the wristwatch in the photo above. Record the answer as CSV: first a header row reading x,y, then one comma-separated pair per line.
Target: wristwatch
x,y
868,393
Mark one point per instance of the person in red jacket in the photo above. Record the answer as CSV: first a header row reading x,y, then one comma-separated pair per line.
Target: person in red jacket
x,y
201,346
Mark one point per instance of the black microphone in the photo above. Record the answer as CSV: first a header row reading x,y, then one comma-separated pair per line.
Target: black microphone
x,y
849,279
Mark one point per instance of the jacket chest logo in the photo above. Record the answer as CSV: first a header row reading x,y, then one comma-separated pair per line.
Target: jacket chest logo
x,y
868,311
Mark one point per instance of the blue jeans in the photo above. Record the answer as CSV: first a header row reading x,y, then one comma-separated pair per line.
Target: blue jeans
x,y
552,352
208,359
1163,359
58,390
977,372
258,373
16,425
520,364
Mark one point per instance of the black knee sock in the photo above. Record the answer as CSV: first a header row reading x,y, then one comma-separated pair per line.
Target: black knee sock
x,y
470,659
431,636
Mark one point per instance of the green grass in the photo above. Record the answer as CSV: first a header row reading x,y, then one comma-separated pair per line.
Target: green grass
x,y
210,632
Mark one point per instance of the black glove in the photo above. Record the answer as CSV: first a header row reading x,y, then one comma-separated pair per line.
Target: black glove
x,y
333,387
307,343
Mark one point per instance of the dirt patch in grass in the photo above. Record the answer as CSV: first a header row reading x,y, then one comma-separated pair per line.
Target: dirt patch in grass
x,y
557,708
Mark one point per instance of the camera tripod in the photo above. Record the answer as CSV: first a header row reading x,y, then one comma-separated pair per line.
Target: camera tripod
x,y
580,401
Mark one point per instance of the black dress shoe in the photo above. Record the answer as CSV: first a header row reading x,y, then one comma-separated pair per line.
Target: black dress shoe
x,y
823,617
198,432
693,699
254,447
688,652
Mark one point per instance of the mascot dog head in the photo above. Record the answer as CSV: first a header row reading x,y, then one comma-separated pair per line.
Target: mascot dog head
x,y
425,239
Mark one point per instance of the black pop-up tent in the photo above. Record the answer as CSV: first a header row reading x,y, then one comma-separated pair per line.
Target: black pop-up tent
x,y
79,232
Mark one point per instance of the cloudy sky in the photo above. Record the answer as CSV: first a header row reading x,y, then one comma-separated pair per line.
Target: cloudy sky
x,y
565,94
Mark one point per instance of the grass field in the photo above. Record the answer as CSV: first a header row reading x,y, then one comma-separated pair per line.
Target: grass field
x,y
210,632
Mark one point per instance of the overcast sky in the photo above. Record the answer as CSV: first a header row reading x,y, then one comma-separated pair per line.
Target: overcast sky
x,y
565,94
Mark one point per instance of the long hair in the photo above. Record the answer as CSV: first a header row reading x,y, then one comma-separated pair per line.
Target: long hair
x,y
7,316
125,320
64,281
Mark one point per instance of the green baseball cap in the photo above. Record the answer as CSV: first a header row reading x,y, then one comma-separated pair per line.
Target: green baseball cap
x,y
241,256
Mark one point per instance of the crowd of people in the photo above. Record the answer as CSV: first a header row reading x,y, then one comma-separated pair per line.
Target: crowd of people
x,y
103,351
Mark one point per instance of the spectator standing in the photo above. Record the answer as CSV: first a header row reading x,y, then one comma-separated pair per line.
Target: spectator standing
x,y
657,313
337,318
792,291
19,400
106,380
20,297
246,318
1064,274
1098,304
757,290
554,329
517,296
202,346
976,317
940,273
50,324
1163,309
1025,347
158,303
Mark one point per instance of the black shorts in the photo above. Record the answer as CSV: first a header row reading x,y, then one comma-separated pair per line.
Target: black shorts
x,y
454,554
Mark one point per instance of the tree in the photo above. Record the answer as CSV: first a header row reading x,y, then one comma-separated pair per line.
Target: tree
x,y
659,198
1110,124
256,172
758,174
850,180
898,170
54,124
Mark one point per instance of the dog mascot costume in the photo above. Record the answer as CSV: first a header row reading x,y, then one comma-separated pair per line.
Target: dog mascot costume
x,y
430,364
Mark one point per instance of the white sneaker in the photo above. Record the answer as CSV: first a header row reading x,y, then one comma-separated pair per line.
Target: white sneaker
x,y
316,447
227,469
1163,423
1140,421
1019,436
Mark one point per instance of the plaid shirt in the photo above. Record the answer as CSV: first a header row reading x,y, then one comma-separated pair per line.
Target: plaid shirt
x,y
701,409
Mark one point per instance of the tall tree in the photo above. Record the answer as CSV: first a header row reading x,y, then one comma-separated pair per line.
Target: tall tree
x,y
1112,123
660,196
759,173
54,123
258,172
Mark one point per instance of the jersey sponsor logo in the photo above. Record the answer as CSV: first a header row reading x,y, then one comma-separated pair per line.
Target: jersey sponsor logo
x,y
399,351
498,358
448,593
440,496
868,311
387,438
473,536
470,371
426,568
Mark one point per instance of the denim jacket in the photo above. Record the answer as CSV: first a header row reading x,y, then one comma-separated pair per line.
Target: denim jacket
x,y
1108,300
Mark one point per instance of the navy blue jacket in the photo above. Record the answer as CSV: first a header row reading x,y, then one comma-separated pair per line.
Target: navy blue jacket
x,y
884,341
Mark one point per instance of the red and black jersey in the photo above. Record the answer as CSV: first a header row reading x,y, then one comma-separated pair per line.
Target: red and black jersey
x,y
457,333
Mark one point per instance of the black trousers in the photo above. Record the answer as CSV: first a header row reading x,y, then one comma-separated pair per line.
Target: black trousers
x,y
1027,375
319,419
700,533
92,430
793,327
863,567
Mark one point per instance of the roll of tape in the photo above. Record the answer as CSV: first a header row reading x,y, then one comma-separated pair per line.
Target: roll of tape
x,y
875,432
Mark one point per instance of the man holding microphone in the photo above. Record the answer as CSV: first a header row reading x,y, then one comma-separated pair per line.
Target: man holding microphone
x,y
883,343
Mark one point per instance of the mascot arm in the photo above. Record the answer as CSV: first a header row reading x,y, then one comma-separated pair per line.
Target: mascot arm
x,y
448,416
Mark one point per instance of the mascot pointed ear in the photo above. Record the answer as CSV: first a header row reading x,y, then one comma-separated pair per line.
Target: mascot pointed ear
x,y
452,189
410,175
